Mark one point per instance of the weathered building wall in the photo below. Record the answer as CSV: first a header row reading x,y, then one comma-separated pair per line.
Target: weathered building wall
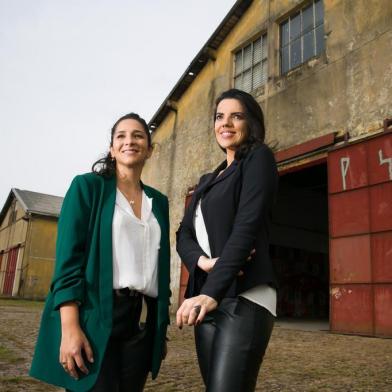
x,y
39,258
347,89
12,234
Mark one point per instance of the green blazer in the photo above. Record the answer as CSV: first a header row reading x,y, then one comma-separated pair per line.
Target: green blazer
x,y
83,273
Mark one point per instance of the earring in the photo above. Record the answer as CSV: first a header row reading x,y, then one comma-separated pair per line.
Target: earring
x,y
113,159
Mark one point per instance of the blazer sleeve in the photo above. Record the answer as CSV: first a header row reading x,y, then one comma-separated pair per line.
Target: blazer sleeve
x,y
187,246
68,282
259,186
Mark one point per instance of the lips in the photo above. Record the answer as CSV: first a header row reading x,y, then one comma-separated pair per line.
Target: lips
x,y
227,134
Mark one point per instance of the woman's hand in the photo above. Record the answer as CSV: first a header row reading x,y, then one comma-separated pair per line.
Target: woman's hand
x,y
206,263
193,310
74,342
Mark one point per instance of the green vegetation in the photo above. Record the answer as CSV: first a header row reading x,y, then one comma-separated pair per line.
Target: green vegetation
x,y
9,356
21,303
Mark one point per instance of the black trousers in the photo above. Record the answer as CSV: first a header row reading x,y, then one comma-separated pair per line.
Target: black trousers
x,y
230,345
128,354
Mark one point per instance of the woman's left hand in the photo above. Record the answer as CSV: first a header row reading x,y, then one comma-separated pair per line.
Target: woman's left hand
x,y
193,310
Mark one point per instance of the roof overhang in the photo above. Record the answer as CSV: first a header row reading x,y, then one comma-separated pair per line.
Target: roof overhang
x,y
207,52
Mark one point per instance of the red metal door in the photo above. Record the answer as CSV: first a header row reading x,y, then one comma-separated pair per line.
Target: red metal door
x,y
184,274
10,271
360,223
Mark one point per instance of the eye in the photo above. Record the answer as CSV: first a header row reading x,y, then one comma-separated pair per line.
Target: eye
x,y
238,116
218,116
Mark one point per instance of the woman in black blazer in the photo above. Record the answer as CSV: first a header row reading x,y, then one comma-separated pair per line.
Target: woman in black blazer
x,y
223,241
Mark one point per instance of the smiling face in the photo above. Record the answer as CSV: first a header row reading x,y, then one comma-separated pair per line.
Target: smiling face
x,y
230,124
130,144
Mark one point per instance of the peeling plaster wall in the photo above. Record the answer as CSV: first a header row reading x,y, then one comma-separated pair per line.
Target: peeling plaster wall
x,y
347,88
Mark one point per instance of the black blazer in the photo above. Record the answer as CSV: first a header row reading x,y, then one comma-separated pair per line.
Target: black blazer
x,y
236,208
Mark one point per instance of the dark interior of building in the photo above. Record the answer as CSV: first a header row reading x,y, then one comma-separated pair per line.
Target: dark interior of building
x,y
299,244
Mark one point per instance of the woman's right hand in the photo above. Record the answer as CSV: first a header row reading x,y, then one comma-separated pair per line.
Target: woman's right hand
x,y
74,347
206,263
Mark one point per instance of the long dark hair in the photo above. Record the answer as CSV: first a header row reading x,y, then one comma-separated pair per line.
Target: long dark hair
x,y
106,166
254,119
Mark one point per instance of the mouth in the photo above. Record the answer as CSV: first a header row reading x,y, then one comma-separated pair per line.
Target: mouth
x,y
130,151
227,134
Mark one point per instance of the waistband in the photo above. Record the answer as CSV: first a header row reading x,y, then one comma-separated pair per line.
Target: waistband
x,y
126,292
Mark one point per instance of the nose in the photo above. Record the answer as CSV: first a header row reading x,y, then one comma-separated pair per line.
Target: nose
x,y
129,140
227,122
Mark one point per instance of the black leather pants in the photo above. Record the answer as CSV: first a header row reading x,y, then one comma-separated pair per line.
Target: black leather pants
x,y
231,343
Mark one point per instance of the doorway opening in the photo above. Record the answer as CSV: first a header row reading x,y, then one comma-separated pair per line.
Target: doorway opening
x,y
300,243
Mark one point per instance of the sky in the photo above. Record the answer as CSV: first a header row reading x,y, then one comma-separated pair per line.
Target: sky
x,y
70,68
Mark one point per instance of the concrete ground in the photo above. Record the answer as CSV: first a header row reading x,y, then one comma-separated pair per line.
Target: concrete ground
x,y
296,359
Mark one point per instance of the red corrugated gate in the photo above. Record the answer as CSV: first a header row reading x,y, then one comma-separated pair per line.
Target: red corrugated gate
x,y
10,271
360,223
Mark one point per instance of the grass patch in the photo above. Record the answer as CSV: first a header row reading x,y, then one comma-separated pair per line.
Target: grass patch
x,y
8,356
21,303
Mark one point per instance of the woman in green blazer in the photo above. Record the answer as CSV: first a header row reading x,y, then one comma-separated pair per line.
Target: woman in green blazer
x,y
111,226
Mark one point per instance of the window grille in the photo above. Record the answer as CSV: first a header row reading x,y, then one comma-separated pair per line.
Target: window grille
x,y
302,36
251,65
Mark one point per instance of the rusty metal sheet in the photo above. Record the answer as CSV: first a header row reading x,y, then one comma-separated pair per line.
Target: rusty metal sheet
x,y
352,309
349,213
381,207
10,271
383,310
347,168
381,244
350,259
380,159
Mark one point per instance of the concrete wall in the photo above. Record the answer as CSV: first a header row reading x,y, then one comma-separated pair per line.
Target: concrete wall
x,y
346,89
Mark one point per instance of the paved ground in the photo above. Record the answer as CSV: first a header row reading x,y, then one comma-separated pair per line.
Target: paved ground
x,y
296,360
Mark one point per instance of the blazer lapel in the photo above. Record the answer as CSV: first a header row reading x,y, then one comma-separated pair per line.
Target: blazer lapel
x,y
106,247
226,173
159,215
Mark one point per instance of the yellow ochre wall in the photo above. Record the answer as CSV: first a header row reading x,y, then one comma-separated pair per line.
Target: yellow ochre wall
x,y
39,258
348,88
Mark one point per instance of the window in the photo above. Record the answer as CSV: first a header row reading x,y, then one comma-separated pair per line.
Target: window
x,y
251,65
302,36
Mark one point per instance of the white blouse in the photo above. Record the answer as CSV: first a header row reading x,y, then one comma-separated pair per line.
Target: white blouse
x,y
135,246
262,294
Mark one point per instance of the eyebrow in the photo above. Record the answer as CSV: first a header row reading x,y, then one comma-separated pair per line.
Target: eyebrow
x,y
232,113
125,130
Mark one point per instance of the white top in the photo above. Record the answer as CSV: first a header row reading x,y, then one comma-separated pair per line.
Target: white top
x,y
262,294
135,246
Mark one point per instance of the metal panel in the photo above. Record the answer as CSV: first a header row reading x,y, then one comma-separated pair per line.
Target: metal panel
x,y
383,310
349,212
380,159
10,271
381,244
381,207
350,259
352,309
348,168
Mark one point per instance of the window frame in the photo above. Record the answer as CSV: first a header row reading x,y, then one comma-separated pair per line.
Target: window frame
x,y
263,62
318,44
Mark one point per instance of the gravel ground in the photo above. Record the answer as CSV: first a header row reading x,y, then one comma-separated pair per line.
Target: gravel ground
x,y
295,360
